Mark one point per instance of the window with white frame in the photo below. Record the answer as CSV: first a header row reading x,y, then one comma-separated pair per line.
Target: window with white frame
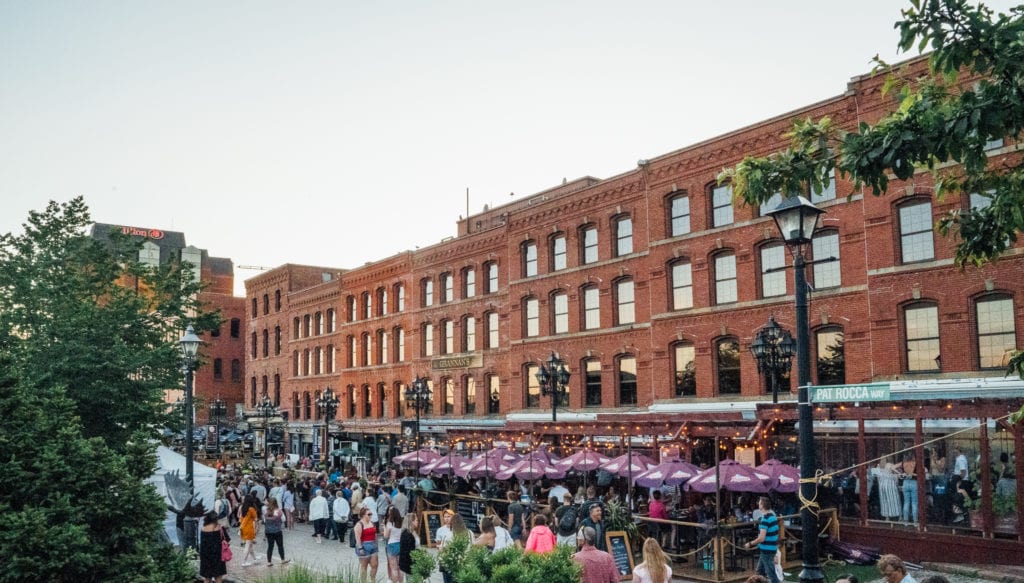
x,y
492,330
531,317
469,334
468,282
448,338
684,377
529,251
560,313
921,323
588,245
427,285
773,278
592,380
725,278
469,403
532,387
679,215
682,285
627,380
591,308
996,332
623,236
399,345
917,242
721,206
826,273
492,277
448,287
558,259
428,340
399,297
625,302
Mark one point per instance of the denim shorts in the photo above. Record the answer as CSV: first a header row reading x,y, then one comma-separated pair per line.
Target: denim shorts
x,y
393,549
366,549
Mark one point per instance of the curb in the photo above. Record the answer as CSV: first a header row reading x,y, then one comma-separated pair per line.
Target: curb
x,y
974,572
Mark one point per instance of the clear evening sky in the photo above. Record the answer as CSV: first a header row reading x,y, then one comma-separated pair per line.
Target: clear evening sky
x,y
336,133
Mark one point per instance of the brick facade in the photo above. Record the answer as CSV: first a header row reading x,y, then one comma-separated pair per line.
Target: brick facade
x,y
875,285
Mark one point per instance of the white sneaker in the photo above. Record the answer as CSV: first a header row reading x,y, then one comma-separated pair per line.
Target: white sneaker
x,y
247,563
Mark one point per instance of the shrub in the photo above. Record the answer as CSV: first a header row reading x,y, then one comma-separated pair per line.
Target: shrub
x,y
423,564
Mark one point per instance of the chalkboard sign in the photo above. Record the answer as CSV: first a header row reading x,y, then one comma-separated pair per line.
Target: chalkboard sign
x,y
467,508
433,521
618,546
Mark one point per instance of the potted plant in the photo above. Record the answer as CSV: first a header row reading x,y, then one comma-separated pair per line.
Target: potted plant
x,y
1004,508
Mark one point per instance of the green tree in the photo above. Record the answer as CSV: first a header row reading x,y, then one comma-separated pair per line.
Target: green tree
x,y
974,94
87,316
72,508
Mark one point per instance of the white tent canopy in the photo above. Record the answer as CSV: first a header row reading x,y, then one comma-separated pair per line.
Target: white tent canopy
x,y
205,479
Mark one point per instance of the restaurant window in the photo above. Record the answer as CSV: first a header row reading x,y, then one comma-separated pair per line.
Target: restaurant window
x,y
917,242
623,236
494,394
529,256
560,313
531,317
831,356
679,215
592,379
470,396
627,380
728,363
996,332
921,325
684,377
682,285
725,278
721,205
532,387
588,245
558,252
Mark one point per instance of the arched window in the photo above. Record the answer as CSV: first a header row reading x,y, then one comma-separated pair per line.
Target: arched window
x,y
307,326
592,382
218,369
917,240
307,362
253,346
350,401
469,395
493,337
493,395
277,341
277,300
557,251
625,302
447,336
236,328
399,297
468,334
528,253
266,343
831,356
296,409
468,282
329,354
296,327
588,244
236,370
559,312
449,396
382,346
826,273
367,402
382,301
252,392
684,370
725,278
277,390
626,369
531,317
367,349
350,308
296,360
318,323
367,305
427,292
352,352
427,342
307,406
382,399
721,205
447,288
727,361
681,281
773,278
491,269
591,306
266,304
318,360
399,335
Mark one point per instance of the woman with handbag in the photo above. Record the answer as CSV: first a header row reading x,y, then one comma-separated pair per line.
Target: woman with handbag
x,y
366,545
214,549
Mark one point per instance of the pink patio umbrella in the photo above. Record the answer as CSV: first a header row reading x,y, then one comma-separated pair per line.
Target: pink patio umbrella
x,y
667,473
415,459
481,467
502,454
448,464
625,464
735,477
782,477
585,460
537,464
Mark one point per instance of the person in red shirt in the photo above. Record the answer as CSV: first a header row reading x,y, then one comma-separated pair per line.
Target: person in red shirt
x,y
598,566
657,510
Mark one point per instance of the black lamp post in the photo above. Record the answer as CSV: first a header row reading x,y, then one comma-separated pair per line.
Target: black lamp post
x,y
327,403
797,218
554,381
266,409
189,353
773,348
218,408
417,396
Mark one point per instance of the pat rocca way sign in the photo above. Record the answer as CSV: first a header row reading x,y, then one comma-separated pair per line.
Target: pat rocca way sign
x,y
850,393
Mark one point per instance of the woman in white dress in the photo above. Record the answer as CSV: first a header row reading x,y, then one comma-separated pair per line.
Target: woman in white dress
x,y
888,489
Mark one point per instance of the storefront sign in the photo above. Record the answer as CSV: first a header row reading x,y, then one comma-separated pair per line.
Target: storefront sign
x,y
850,393
454,362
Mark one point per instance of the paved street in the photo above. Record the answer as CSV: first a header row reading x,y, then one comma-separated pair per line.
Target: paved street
x,y
330,557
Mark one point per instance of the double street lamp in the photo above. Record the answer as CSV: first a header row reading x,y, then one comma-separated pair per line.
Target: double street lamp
x,y
773,349
266,409
554,381
327,404
417,396
190,357
218,409
797,218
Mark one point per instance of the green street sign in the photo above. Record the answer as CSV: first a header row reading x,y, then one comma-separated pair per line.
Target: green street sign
x,y
850,393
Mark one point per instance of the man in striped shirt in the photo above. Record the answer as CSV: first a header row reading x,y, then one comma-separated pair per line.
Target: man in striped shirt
x,y
767,540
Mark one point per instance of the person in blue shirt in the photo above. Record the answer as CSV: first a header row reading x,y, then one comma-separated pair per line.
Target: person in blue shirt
x,y
767,541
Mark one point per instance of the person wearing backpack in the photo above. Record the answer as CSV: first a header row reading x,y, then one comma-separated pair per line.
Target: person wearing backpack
x,y
567,518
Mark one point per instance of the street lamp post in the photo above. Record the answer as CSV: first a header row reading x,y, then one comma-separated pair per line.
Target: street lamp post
x,y
773,348
554,381
327,403
266,409
417,396
189,353
797,218
218,408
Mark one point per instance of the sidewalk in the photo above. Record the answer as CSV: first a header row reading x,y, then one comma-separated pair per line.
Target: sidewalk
x,y
330,557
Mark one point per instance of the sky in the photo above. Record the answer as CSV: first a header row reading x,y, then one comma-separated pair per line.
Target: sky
x,y
339,133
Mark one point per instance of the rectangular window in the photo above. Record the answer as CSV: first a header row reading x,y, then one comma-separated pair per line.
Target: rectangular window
x,y
725,279
218,369
623,236
685,377
831,361
492,278
682,285
591,309
728,367
532,314
532,388
469,281
428,293
558,253
494,395
773,278
469,333
922,323
449,337
382,346
382,302
627,381
593,381
367,350
428,340
367,305
492,330
721,202
828,191
769,204
352,352
916,240
978,201
996,331
449,396
626,308
399,345
560,320
826,274
589,245
529,259
680,215
448,285
470,403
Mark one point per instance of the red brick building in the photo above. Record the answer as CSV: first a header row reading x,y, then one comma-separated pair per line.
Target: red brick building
x,y
650,284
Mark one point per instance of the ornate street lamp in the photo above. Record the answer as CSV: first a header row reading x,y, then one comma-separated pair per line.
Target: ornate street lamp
x,y
773,349
554,381
417,396
266,409
218,409
327,403
189,355
797,218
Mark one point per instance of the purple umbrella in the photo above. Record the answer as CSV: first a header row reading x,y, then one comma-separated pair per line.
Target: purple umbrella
x,y
502,454
443,465
584,460
481,467
781,477
415,458
528,469
735,476
622,465
667,473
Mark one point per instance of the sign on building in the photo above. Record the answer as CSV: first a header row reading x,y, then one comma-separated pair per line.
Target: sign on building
x,y
851,393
